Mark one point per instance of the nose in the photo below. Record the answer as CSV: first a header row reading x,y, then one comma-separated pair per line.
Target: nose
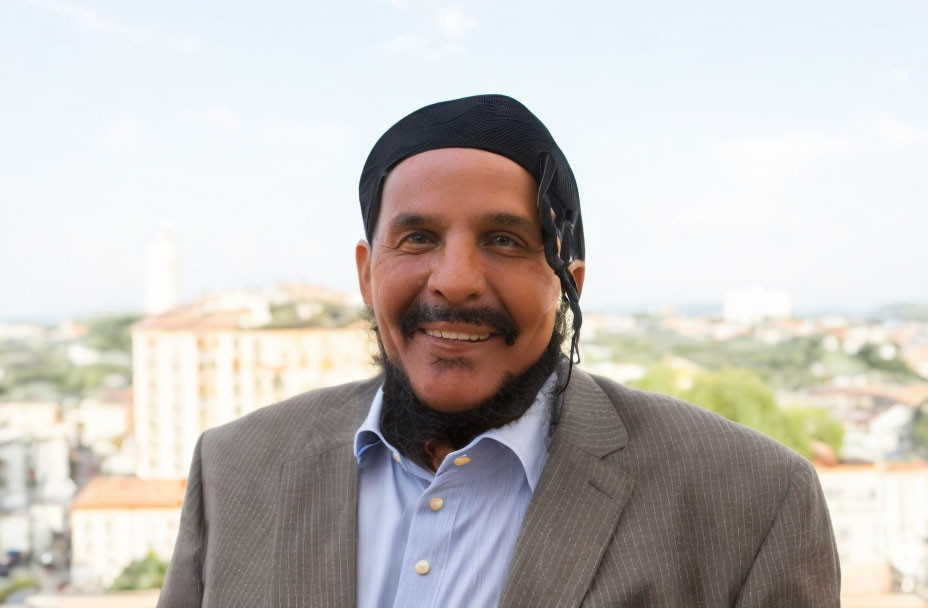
x,y
457,273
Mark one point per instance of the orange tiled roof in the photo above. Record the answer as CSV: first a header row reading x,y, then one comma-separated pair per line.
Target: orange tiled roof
x,y
194,317
130,493
894,467
119,396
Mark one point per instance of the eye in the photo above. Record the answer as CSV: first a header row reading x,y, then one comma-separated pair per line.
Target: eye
x,y
503,240
415,240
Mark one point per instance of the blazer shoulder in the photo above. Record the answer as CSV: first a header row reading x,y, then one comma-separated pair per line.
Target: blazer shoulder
x,y
675,431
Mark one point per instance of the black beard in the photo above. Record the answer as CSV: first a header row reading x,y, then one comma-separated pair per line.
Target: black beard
x,y
407,423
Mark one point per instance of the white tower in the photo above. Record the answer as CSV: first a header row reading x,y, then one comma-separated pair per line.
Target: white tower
x,y
751,305
162,273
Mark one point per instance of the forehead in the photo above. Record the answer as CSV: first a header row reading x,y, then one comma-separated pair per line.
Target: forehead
x,y
458,179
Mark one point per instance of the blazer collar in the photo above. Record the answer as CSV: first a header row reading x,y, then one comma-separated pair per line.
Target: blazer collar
x,y
314,560
564,534
589,421
576,508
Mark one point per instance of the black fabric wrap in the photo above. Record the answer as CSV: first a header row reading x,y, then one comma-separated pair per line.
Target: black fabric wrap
x,y
502,125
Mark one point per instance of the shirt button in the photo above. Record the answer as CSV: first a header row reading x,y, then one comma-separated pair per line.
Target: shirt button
x,y
396,457
461,460
422,567
436,503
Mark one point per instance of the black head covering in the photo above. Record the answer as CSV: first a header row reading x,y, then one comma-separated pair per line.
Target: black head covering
x,y
501,125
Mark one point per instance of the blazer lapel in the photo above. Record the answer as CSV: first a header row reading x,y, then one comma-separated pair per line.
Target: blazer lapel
x,y
576,507
315,548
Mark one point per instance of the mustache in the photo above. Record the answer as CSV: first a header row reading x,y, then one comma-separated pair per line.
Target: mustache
x,y
419,313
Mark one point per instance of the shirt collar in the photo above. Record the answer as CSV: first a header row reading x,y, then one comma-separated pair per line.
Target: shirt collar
x,y
368,434
527,436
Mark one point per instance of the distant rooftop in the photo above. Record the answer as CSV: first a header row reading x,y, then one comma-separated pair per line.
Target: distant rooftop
x,y
194,316
130,493
914,466
912,394
128,599
285,306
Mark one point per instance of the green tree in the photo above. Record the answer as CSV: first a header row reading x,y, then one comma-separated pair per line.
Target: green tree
x,y
145,573
661,378
111,332
742,396
17,584
920,429
818,425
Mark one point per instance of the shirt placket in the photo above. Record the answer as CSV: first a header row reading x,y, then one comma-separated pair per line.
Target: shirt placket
x,y
429,540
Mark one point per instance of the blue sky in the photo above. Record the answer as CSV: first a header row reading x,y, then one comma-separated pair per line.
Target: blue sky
x,y
715,144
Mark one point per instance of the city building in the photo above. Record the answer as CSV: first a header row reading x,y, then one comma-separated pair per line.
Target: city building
x,y
877,418
205,364
128,599
912,339
878,515
102,431
35,486
118,520
28,417
105,416
751,305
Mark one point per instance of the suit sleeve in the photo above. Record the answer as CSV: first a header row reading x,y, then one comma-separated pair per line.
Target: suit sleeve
x,y
183,583
797,564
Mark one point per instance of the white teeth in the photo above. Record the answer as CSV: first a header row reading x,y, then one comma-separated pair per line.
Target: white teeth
x,y
453,335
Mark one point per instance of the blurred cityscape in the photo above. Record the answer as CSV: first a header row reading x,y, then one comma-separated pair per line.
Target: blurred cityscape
x,y
99,417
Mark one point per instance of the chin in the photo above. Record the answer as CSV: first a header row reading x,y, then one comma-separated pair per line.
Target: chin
x,y
451,397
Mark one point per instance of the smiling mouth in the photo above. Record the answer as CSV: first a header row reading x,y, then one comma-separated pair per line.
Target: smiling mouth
x,y
453,335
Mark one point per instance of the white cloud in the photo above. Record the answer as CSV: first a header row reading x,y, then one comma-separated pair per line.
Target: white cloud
x,y
398,4
443,32
454,23
95,21
900,75
221,117
405,42
778,155
92,20
891,130
121,131
290,134
187,44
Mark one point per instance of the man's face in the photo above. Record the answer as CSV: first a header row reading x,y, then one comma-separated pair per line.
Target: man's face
x,y
458,229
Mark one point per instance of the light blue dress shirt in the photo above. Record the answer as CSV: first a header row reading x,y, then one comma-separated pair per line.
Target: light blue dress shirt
x,y
445,538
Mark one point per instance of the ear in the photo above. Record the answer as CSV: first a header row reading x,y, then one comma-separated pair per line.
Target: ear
x,y
362,257
578,269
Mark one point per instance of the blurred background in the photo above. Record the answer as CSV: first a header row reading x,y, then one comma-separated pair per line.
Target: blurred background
x,y
178,212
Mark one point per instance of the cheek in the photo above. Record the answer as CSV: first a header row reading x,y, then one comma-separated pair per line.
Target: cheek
x,y
395,284
534,302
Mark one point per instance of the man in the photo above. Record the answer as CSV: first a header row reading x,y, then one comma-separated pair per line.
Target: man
x,y
481,468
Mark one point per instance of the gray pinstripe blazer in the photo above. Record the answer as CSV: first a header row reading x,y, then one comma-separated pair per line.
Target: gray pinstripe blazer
x,y
645,501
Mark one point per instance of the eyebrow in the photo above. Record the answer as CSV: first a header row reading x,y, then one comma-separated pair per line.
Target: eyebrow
x,y
406,220
507,219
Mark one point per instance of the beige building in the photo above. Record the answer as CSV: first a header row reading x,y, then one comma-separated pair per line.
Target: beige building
x,y
129,599
880,517
29,417
205,364
754,304
117,520
104,416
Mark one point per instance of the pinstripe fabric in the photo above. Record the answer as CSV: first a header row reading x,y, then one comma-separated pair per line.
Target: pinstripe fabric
x,y
269,515
645,501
